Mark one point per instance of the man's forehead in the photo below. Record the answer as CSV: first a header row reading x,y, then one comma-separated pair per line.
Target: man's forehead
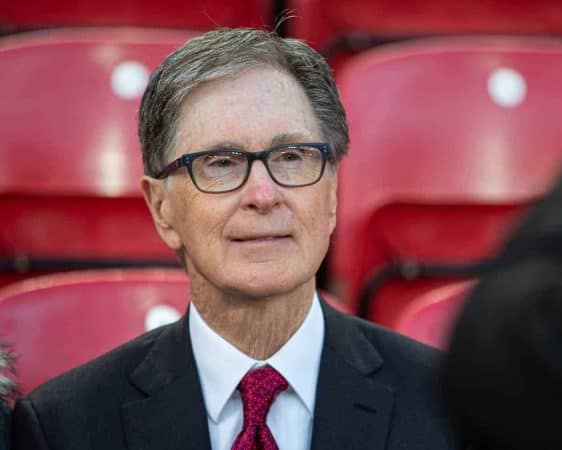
x,y
252,111
259,83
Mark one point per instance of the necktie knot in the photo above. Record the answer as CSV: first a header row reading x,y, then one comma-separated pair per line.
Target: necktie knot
x,y
258,389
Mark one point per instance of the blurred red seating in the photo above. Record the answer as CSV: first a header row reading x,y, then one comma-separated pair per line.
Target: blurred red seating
x,y
71,161
431,317
450,140
414,247
56,322
59,321
324,23
192,14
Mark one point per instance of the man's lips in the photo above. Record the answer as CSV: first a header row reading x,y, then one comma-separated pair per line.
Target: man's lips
x,y
261,238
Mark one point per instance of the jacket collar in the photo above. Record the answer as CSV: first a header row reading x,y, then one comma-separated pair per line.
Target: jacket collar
x,y
353,409
172,415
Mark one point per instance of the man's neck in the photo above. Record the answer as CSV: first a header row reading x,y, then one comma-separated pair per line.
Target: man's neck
x,y
257,327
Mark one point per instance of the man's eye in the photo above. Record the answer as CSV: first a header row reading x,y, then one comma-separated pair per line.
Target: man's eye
x,y
220,162
290,156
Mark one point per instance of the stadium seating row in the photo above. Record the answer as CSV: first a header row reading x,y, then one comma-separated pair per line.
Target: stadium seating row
x,y
191,14
324,23
69,182
451,140
74,317
334,26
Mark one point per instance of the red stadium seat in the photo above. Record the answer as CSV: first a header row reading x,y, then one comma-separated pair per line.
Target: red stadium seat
x,y
430,318
324,23
451,139
71,162
414,247
192,14
56,322
59,321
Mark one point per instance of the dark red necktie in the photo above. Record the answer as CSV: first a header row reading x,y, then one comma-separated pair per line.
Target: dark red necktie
x,y
258,389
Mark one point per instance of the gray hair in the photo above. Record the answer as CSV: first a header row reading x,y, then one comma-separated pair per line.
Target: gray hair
x,y
225,53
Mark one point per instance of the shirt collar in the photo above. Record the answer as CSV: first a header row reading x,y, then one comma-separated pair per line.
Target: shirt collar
x,y
221,366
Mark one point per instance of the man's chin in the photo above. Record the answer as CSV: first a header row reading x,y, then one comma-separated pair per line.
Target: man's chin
x,y
260,290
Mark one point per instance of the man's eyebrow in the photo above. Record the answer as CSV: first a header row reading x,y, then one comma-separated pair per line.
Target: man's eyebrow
x,y
223,145
288,138
279,139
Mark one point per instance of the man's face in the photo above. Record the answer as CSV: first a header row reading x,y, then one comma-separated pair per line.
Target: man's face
x,y
262,239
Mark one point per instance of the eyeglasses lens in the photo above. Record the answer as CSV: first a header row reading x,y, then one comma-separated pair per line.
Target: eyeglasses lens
x,y
219,172
295,166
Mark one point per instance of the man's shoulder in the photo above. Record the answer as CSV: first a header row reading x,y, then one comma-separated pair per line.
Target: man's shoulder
x,y
86,402
406,371
404,360
390,343
393,345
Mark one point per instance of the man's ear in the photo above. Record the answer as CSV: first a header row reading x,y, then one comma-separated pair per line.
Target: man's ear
x,y
158,200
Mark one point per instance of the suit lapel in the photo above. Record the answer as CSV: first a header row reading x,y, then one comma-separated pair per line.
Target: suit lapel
x,y
172,415
353,410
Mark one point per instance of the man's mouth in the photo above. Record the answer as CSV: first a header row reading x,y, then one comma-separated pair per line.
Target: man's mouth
x,y
262,238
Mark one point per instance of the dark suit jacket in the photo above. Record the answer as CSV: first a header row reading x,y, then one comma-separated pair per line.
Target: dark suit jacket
x,y
376,390
5,415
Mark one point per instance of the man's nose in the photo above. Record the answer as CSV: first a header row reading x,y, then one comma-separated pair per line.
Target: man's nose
x,y
260,192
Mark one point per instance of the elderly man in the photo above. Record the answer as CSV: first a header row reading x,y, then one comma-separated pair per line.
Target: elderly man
x,y
241,134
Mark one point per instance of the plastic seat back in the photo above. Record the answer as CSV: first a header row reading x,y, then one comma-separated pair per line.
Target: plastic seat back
x,y
415,247
193,14
431,317
59,321
71,161
73,96
327,23
451,139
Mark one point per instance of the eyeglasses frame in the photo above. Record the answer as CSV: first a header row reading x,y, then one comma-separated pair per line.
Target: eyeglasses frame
x,y
187,159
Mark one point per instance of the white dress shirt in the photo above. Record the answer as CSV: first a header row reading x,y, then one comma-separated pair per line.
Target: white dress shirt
x,y
221,366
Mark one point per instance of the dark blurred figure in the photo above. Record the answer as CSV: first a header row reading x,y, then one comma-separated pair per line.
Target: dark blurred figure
x,y
7,392
503,375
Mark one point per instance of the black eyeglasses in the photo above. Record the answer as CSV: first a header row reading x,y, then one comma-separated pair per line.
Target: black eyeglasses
x,y
219,171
